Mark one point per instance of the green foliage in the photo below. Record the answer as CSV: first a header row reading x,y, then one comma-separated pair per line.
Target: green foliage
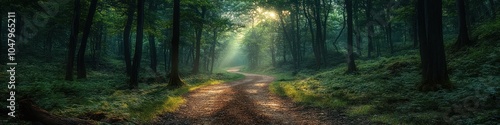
x,y
488,31
104,92
384,91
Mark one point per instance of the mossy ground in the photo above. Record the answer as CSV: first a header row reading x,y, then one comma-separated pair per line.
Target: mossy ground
x,y
384,90
104,91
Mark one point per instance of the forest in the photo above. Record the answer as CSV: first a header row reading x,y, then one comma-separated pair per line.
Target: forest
x,y
142,62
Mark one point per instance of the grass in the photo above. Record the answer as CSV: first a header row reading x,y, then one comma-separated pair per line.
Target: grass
x,y
384,89
104,91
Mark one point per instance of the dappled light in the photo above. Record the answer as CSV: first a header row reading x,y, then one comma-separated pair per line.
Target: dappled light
x,y
239,62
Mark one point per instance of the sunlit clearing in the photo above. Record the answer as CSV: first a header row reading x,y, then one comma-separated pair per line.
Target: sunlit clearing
x,y
232,54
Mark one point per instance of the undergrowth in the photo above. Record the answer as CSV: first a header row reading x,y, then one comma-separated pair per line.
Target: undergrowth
x,y
103,92
384,89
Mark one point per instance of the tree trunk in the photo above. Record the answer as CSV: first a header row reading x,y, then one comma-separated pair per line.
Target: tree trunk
x,y
212,51
72,41
319,31
351,66
463,35
127,36
152,53
370,24
434,71
134,82
389,37
80,66
357,30
199,32
175,80
314,43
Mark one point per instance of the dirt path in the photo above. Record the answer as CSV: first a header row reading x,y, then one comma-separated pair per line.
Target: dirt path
x,y
246,101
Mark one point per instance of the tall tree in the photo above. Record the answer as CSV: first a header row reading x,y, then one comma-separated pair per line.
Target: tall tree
x,y
80,66
175,80
371,32
152,43
126,36
72,41
351,66
463,33
152,53
134,82
430,22
199,32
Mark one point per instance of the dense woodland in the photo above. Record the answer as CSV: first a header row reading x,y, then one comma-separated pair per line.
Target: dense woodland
x,y
129,61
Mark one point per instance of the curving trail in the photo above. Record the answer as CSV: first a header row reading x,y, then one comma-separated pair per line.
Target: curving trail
x,y
247,101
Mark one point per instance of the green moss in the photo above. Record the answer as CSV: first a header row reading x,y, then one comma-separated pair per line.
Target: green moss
x,y
360,110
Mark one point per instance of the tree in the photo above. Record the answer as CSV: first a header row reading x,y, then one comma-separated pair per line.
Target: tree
x,y
80,66
351,66
126,36
152,43
134,83
371,31
175,80
434,71
463,34
199,32
72,41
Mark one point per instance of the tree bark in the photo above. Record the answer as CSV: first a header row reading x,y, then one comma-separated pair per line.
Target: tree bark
x,y
434,71
80,66
72,41
126,37
463,33
351,66
175,80
134,82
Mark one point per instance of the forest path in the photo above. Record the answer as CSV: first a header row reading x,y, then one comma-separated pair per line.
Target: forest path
x,y
246,101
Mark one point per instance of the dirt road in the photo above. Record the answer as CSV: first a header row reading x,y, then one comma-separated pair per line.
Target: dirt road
x,y
247,101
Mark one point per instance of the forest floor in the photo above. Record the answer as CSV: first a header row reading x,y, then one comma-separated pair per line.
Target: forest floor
x,y
246,101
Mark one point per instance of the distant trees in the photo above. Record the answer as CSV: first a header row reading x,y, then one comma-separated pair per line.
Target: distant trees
x,y
430,34
152,37
199,31
72,41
